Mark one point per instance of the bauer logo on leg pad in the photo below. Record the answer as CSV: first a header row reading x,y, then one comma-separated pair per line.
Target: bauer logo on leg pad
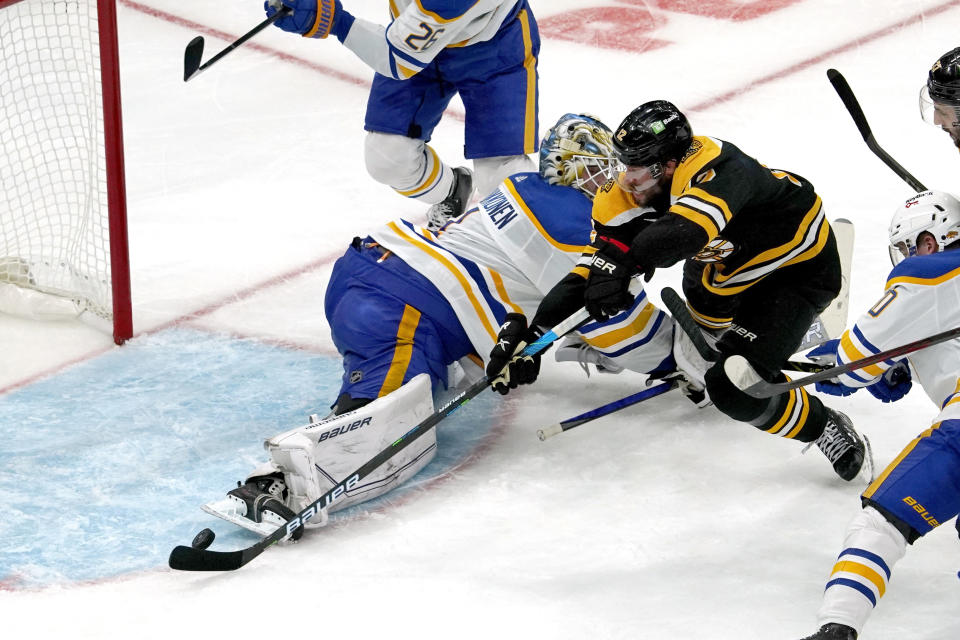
x,y
339,431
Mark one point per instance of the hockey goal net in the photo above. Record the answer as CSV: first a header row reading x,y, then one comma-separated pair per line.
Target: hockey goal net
x,y
63,232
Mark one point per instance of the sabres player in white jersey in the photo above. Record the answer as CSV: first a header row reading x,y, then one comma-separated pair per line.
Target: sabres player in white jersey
x,y
920,489
404,304
485,50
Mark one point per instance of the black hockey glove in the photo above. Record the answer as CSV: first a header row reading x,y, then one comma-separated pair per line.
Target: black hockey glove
x,y
607,292
506,368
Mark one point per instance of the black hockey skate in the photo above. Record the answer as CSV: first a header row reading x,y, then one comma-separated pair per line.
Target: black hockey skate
x,y
256,505
454,204
834,631
842,446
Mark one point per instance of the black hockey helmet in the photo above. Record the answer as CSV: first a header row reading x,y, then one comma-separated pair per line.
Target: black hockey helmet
x,y
943,81
655,132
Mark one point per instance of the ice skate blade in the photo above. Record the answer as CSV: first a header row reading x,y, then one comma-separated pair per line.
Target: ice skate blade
x,y
226,510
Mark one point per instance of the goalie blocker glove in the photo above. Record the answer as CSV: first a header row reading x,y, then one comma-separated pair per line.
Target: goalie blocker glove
x,y
312,18
506,368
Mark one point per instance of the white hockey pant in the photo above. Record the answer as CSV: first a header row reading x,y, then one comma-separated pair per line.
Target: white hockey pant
x,y
316,457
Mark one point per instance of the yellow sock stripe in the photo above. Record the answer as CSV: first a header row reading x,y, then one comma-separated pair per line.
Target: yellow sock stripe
x,y
786,413
530,65
432,158
804,400
893,465
848,566
402,352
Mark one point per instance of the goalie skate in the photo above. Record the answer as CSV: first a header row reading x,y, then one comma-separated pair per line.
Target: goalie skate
x,y
234,511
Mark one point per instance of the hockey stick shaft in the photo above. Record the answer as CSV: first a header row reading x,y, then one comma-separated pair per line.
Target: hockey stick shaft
x,y
678,309
194,50
764,389
605,410
843,90
193,559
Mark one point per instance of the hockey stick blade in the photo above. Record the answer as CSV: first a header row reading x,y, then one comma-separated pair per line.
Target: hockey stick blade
x,y
849,100
742,374
191,58
193,559
194,51
605,410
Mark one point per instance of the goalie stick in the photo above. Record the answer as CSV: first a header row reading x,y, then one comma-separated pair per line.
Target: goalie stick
x,y
194,51
853,106
201,559
749,381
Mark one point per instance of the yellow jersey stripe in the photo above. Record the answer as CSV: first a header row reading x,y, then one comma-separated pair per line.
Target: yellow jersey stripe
x,y
569,248
464,283
502,290
623,333
851,353
924,281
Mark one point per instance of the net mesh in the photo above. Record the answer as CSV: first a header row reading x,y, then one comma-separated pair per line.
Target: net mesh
x,y
54,225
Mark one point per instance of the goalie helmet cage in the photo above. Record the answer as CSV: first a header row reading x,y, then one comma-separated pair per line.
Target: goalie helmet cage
x,y
63,227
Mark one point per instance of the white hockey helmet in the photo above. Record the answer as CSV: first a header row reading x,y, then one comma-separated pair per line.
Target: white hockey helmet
x,y
934,212
578,152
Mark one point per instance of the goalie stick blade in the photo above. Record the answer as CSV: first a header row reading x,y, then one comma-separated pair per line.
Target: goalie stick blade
x,y
191,58
190,559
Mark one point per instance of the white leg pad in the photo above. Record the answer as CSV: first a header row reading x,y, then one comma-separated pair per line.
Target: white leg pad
x,y
315,457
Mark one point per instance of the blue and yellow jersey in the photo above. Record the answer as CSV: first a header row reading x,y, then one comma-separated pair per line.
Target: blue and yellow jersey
x,y
420,29
506,253
921,298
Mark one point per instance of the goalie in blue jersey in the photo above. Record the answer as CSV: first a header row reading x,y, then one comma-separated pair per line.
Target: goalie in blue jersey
x,y
406,305
484,50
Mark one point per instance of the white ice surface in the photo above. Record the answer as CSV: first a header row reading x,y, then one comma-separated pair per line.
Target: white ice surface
x,y
663,522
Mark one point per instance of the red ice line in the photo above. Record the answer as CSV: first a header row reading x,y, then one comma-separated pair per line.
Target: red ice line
x,y
350,79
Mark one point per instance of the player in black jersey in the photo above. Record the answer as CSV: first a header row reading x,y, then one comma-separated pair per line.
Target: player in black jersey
x,y
760,263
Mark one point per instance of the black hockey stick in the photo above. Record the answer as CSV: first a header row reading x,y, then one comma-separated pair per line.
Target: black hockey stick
x,y
850,102
605,410
198,558
194,51
678,309
744,376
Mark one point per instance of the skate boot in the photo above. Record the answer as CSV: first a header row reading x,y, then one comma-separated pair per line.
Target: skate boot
x,y
455,202
834,631
842,446
256,505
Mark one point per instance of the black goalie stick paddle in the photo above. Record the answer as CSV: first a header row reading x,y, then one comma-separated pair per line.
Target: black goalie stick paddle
x,y
743,375
199,558
850,102
194,51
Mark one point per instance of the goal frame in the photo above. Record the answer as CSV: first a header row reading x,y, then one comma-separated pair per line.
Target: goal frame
x,y
114,161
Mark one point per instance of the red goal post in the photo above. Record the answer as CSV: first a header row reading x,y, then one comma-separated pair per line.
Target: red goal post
x,y
63,223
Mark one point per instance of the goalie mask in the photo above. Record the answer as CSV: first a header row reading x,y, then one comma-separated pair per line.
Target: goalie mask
x,y
933,212
940,96
578,152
